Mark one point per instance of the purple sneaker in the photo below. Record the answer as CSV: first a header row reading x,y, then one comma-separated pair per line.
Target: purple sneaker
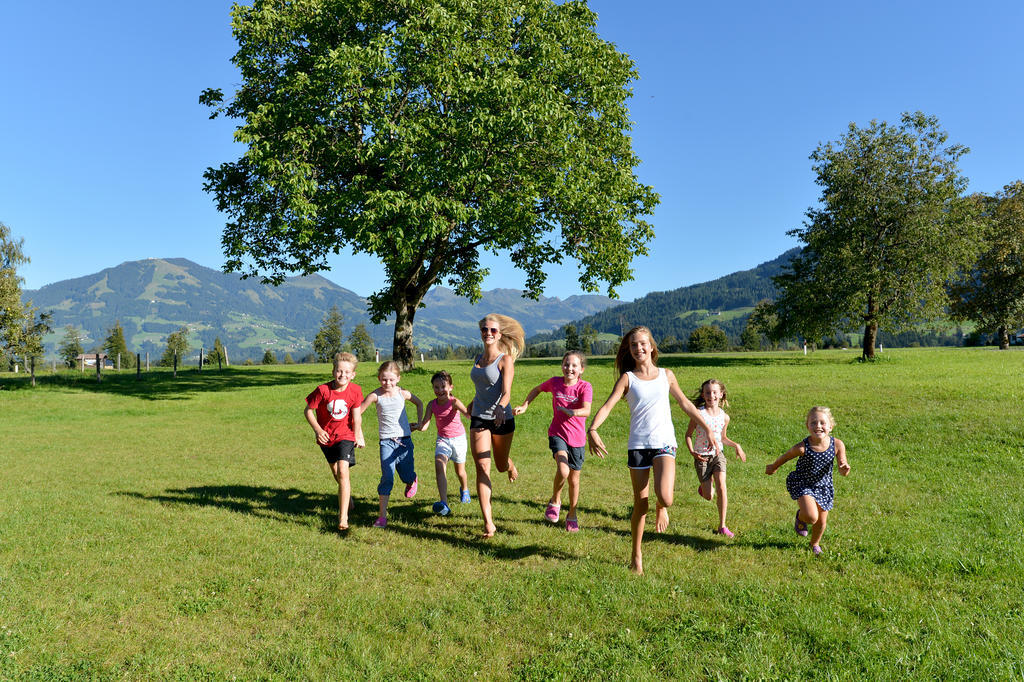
x,y
724,530
551,512
572,525
799,526
381,522
816,549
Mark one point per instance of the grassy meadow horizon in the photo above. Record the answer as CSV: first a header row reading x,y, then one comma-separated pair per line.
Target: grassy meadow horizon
x,y
183,528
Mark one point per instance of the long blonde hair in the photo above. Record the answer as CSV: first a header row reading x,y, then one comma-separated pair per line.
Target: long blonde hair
x,y
513,338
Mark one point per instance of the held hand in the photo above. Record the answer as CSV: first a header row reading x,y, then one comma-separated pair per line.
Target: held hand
x,y
519,409
415,426
844,468
770,469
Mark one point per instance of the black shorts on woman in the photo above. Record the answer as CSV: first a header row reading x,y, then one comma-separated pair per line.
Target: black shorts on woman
x,y
481,424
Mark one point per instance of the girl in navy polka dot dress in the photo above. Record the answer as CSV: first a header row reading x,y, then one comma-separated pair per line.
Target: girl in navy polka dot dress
x,y
810,484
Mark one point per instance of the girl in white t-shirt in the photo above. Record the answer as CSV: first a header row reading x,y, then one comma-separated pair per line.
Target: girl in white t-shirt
x,y
652,437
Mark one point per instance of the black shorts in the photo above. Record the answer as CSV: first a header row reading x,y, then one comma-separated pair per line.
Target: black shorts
x,y
341,450
479,423
573,454
644,458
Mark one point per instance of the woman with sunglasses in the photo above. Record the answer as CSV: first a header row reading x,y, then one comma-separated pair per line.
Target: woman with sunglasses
x,y
491,422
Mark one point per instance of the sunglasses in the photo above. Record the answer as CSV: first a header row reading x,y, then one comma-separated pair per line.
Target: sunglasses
x,y
493,330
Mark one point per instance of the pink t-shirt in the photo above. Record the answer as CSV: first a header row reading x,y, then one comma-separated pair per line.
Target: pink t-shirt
x,y
570,429
447,419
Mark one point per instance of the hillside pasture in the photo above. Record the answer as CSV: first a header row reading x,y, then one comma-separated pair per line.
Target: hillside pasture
x,y
183,529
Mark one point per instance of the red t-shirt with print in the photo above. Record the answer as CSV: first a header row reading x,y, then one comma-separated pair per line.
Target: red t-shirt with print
x,y
334,410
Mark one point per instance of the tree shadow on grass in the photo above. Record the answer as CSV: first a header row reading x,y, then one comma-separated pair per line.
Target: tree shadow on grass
x,y
774,359
162,384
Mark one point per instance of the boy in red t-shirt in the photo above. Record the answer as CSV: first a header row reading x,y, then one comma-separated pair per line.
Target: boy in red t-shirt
x,y
333,412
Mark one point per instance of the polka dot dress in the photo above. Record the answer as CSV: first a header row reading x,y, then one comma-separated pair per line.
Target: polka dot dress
x,y
813,475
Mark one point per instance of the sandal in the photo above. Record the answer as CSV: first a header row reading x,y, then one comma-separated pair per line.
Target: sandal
x,y
572,525
799,526
551,512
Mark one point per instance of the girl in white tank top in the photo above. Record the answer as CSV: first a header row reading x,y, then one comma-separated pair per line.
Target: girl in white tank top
x,y
651,445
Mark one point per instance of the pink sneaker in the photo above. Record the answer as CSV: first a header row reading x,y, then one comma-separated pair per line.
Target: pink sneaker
x,y
551,512
381,522
410,490
816,549
572,525
724,530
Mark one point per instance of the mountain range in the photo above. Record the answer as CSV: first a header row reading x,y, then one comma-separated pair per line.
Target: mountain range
x,y
151,298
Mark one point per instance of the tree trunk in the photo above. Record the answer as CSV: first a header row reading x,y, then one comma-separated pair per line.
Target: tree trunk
x,y
1004,338
870,335
401,350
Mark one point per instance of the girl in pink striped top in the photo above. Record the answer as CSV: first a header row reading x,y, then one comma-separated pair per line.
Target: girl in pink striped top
x,y
451,439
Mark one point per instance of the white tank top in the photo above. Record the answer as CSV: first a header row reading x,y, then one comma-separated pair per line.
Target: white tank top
x,y
391,417
701,444
650,413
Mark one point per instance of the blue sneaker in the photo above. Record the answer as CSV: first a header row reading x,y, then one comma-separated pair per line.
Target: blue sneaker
x,y
441,507
465,496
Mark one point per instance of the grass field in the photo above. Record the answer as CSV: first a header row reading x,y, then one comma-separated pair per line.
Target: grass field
x,y
182,529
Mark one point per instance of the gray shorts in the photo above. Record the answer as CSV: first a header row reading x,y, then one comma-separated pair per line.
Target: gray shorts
x,y
707,467
573,454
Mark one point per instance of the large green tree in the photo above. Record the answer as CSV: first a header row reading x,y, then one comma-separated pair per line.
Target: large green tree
x,y
422,132
361,344
892,227
22,326
991,293
329,339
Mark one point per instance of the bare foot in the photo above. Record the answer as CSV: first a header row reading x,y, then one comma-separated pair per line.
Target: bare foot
x,y
636,565
489,532
342,525
661,525
513,473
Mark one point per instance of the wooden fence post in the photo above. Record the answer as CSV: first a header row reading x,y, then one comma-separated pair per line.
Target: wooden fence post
x,y
119,362
99,362
175,364
201,349
138,366
32,369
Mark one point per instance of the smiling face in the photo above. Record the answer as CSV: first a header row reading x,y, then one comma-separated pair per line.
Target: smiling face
x,y
344,372
819,424
490,331
442,389
712,393
572,368
640,347
388,380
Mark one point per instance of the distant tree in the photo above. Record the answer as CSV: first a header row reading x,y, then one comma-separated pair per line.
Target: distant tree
x,y
269,358
422,133
892,228
177,342
587,338
21,325
308,358
572,338
765,321
288,359
115,345
70,346
749,338
991,293
707,339
361,343
670,344
329,339
217,356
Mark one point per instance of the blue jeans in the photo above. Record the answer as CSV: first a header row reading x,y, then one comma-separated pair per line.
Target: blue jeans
x,y
395,455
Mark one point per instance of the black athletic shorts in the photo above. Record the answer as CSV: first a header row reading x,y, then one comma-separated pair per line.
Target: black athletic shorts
x,y
341,450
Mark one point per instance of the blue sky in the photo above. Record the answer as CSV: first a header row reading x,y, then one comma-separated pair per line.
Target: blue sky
x,y
103,142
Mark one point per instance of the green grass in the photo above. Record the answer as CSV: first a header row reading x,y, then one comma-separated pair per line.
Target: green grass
x,y
182,529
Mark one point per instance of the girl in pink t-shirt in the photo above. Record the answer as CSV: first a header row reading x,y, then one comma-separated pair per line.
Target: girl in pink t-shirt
x,y
451,439
570,401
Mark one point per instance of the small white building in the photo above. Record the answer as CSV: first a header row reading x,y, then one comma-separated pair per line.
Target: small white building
x,y
89,360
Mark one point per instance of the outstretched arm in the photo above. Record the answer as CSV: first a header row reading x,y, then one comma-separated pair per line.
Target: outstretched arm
x,y
530,397
593,438
726,441
425,423
411,397
794,451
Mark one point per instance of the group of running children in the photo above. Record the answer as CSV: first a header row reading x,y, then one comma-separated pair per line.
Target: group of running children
x,y
334,412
